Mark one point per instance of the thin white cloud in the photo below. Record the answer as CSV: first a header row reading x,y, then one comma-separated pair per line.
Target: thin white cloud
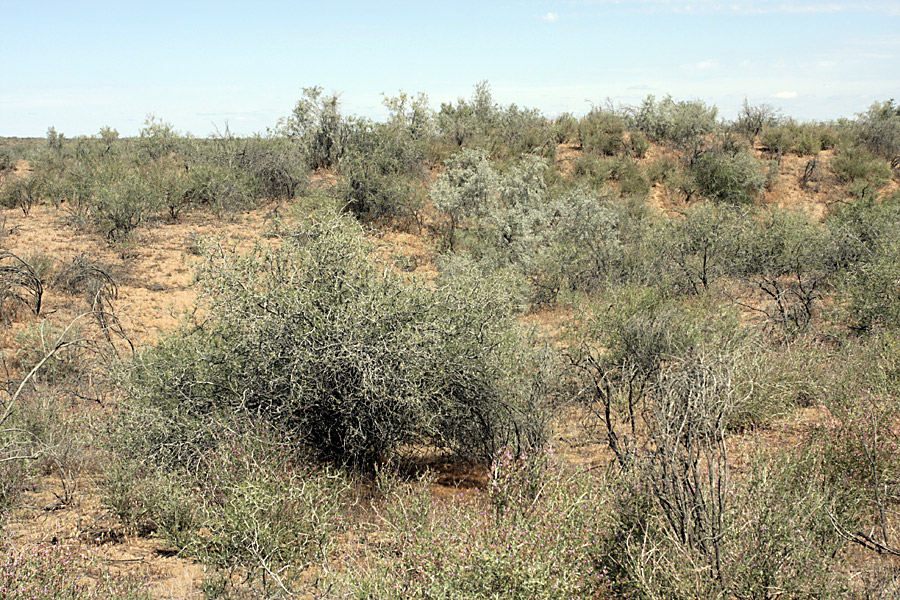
x,y
707,64
550,17
785,95
746,7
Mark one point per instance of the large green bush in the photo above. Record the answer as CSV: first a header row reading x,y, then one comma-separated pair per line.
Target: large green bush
x,y
380,171
317,125
467,191
860,169
603,132
879,129
681,123
725,177
354,360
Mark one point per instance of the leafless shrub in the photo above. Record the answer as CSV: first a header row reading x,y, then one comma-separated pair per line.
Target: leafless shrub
x,y
93,281
812,173
19,285
31,426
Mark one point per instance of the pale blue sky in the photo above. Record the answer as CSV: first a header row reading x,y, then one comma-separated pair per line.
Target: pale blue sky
x,y
81,65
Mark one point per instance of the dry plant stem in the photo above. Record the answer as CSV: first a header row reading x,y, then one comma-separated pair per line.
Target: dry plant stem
x,y
21,275
60,344
869,540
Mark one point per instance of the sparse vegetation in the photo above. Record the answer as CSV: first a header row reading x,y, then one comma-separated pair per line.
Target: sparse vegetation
x,y
475,352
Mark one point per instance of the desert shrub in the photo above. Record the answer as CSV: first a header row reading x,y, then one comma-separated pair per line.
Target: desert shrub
x,y
681,527
812,174
94,282
602,132
317,126
593,168
53,435
21,192
48,571
638,144
860,169
518,225
260,489
359,363
878,129
157,138
515,223
780,139
32,345
630,179
503,131
870,290
275,166
812,139
167,183
661,169
7,163
122,206
783,257
859,445
733,179
411,116
619,350
464,121
511,235
257,512
786,544
379,172
684,419
592,241
681,123
13,479
466,191
521,130
617,354
565,129
74,191
374,196
20,285
693,246
858,230
108,138
220,187
535,539
751,120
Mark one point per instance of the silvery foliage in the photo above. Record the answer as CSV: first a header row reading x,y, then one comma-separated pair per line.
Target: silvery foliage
x,y
682,123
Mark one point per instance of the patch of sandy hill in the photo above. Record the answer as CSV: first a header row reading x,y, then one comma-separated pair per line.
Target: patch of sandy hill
x,y
816,195
406,252
566,154
154,271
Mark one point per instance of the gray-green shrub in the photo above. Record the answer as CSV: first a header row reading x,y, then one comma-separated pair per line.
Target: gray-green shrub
x,y
681,123
730,178
878,129
358,362
317,125
860,169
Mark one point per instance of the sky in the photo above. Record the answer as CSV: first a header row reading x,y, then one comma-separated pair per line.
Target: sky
x,y
81,65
